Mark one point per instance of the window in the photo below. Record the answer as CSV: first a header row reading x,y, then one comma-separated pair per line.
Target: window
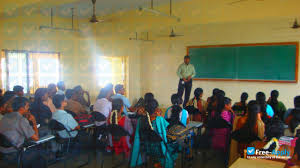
x,y
29,69
110,70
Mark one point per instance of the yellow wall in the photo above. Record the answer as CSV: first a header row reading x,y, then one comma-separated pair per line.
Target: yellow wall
x,y
162,58
251,22
79,51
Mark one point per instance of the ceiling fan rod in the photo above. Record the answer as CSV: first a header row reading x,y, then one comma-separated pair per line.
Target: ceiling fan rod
x,y
170,7
72,10
94,6
151,4
51,17
60,28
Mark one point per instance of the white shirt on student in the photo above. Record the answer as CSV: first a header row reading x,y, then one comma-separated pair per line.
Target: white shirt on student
x,y
68,121
104,107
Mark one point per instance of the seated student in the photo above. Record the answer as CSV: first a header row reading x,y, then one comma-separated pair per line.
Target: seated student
x,y
5,104
240,108
278,107
40,108
147,97
220,135
64,118
17,128
124,144
199,104
72,104
294,113
51,90
120,92
213,97
19,90
80,96
61,88
251,124
212,102
103,104
267,111
158,124
175,111
294,125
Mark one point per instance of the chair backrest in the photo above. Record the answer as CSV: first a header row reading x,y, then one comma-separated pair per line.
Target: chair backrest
x,y
56,126
4,141
97,116
116,131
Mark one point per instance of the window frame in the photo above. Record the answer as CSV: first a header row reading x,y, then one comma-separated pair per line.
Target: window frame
x,y
27,52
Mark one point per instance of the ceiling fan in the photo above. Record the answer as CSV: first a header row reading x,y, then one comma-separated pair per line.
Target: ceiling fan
x,y
172,34
156,12
295,25
94,17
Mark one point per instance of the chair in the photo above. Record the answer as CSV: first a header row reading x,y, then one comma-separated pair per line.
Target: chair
x,y
5,143
116,132
151,146
55,127
97,116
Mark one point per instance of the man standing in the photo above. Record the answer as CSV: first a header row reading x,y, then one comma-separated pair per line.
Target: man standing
x,y
185,72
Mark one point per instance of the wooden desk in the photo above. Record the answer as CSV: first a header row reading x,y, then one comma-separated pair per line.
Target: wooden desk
x,y
246,163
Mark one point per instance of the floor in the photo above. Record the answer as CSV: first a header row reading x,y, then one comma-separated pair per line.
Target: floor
x,y
213,162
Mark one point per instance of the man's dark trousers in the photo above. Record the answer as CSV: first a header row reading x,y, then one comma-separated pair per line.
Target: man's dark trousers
x,y
187,86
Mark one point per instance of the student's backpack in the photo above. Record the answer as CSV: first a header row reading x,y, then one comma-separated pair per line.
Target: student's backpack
x,y
274,128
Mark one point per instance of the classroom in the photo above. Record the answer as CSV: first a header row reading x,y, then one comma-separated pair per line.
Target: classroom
x,y
149,83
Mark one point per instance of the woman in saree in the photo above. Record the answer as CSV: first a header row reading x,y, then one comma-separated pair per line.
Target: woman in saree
x,y
157,124
124,144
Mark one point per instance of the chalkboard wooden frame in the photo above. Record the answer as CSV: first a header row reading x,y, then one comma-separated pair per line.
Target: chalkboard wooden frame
x,y
252,44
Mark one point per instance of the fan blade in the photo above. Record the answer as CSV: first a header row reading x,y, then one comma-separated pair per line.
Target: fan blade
x,y
235,2
156,12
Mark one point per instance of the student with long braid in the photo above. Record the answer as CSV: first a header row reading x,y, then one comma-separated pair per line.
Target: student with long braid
x,y
267,111
124,144
200,114
175,113
151,121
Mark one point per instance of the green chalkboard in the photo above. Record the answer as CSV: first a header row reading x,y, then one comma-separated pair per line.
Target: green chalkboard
x,y
250,62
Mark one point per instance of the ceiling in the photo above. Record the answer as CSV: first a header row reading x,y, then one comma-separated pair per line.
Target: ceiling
x,y
189,11
105,7
82,8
